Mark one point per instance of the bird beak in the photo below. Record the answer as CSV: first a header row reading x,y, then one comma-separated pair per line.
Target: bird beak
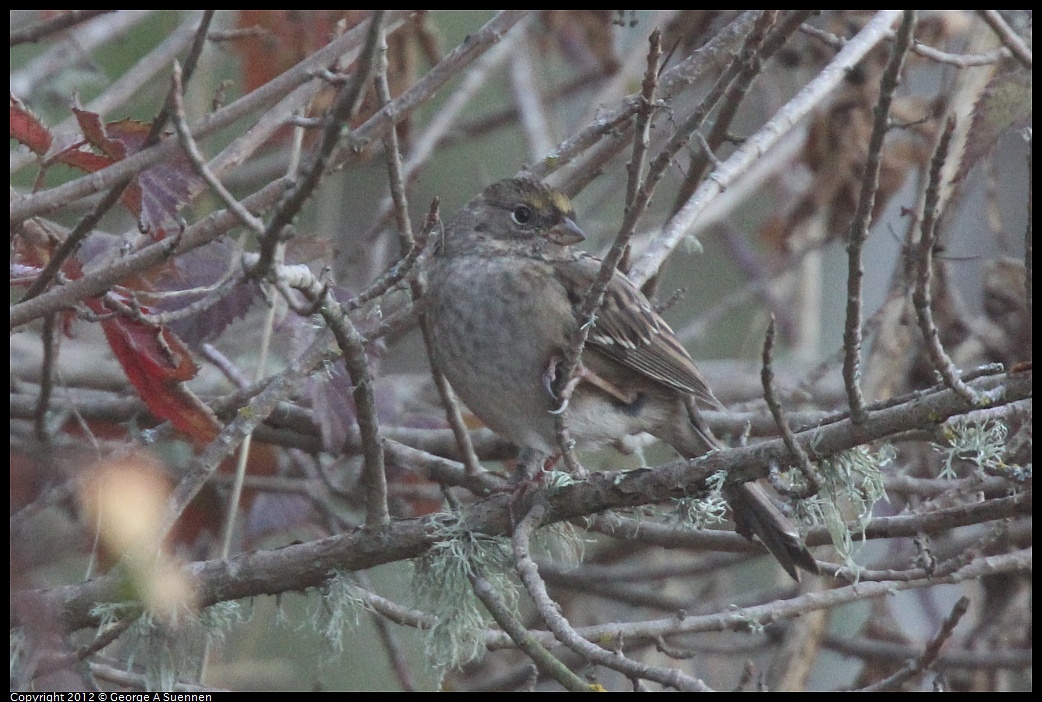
x,y
567,232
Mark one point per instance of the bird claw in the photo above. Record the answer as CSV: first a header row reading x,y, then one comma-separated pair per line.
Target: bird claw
x,y
550,376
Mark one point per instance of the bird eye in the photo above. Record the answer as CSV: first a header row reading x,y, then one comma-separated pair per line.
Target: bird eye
x,y
522,214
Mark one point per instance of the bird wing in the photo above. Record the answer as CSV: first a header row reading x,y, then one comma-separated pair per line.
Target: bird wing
x,y
628,330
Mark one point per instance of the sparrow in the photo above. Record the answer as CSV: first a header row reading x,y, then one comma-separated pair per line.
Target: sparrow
x,y
504,286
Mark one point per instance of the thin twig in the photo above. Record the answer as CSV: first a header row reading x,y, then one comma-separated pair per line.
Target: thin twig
x,y
347,102
446,118
69,18
393,154
397,659
73,241
239,33
961,659
125,87
563,630
305,565
217,223
397,176
662,162
929,654
450,67
86,225
598,151
740,619
46,378
258,409
862,218
728,543
401,270
104,638
922,297
749,153
229,283
799,455
542,658
235,497
352,345
225,365
585,318
695,66
192,151
42,71
1010,39
957,60
443,471
767,37
288,84
642,123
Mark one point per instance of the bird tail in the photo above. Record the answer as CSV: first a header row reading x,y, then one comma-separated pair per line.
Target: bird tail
x,y
753,512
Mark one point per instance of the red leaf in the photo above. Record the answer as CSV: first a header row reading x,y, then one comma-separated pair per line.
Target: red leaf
x,y
96,133
84,160
154,196
27,129
157,365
